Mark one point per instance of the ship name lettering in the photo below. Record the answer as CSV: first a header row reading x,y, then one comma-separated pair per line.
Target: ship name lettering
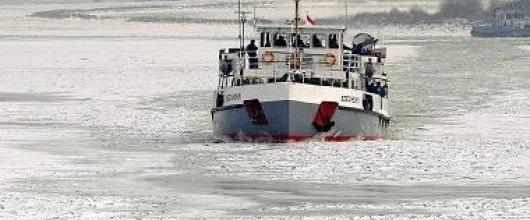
x,y
233,97
348,98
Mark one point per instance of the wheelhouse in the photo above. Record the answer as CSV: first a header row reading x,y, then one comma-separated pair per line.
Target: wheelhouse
x,y
311,49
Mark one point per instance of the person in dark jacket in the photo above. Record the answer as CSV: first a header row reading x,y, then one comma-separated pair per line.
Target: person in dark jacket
x,y
317,42
371,88
333,44
226,66
379,89
370,70
252,52
280,42
298,42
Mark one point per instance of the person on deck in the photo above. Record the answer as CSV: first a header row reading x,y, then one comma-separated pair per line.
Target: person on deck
x,y
383,91
226,66
317,42
379,89
298,42
371,88
280,42
252,52
370,70
333,44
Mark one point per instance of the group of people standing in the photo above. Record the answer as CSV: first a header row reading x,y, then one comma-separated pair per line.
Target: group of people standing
x,y
377,88
371,85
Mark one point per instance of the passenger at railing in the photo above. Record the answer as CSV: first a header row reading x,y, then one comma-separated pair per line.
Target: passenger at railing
x,y
226,66
298,42
317,42
280,42
252,52
371,88
379,89
369,69
333,44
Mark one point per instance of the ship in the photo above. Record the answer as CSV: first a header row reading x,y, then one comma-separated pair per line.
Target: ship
x,y
504,22
304,82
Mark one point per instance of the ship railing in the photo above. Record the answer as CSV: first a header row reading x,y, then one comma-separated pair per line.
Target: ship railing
x,y
311,69
291,60
293,77
351,62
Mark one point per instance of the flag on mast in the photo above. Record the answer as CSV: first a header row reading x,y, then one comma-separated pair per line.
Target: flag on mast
x,y
310,20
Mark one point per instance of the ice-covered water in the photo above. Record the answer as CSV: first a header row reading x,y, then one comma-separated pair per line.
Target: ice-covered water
x,y
103,118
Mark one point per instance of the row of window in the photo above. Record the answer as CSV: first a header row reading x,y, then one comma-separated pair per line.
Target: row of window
x,y
301,40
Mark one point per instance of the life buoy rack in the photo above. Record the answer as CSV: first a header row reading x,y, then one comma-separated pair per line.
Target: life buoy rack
x,y
294,60
330,58
268,57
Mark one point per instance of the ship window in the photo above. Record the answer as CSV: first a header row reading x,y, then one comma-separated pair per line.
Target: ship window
x,y
333,41
318,41
280,40
265,39
306,38
301,40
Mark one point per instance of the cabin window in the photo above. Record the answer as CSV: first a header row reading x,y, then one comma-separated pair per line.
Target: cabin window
x,y
333,41
265,39
301,40
306,38
280,40
318,41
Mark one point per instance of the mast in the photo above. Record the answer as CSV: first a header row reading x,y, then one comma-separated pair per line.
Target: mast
x,y
239,23
241,20
255,19
296,16
346,14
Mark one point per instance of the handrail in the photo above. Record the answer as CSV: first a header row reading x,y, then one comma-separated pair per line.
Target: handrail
x,y
350,63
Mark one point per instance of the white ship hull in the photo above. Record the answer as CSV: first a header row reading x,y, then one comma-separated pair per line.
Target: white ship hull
x,y
284,112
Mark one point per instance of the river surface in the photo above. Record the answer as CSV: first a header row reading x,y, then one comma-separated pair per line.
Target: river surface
x,y
104,116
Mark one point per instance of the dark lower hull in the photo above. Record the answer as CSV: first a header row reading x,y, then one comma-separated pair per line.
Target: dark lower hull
x,y
291,121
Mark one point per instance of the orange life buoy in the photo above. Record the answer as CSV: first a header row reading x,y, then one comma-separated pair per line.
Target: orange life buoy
x,y
268,57
330,58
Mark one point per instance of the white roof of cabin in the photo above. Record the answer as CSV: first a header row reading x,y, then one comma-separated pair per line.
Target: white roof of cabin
x,y
302,29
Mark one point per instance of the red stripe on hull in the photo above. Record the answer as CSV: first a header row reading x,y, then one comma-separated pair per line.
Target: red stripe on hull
x,y
289,138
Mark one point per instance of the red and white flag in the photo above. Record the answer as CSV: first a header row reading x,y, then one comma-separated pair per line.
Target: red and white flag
x,y
310,20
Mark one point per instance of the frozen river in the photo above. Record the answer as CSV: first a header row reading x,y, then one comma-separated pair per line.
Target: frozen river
x,y
104,118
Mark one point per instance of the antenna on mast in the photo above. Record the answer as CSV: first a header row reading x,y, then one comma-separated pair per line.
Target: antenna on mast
x,y
297,16
239,26
346,16
296,55
255,19
241,20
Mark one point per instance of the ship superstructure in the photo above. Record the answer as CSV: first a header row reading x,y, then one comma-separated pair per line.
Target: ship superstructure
x,y
504,22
